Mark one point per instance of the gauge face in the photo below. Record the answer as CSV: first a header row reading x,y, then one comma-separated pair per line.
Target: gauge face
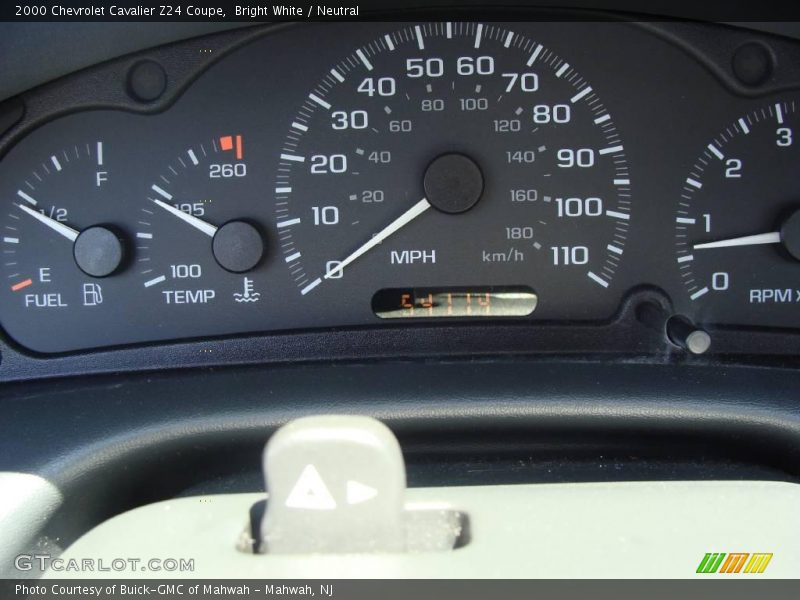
x,y
738,223
199,239
455,154
64,243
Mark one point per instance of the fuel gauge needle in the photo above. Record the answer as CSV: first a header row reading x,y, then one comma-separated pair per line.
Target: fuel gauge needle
x,y
68,232
773,237
393,227
207,228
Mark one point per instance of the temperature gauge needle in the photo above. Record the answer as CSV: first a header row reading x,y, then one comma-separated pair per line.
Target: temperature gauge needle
x,y
68,232
207,228
400,222
773,237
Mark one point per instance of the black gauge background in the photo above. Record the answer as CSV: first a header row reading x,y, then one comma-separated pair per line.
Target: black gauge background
x,y
676,104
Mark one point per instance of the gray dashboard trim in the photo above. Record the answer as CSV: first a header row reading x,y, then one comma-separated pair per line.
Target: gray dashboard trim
x,y
109,444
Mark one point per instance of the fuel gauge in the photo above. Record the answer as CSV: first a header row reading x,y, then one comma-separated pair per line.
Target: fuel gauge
x,y
63,242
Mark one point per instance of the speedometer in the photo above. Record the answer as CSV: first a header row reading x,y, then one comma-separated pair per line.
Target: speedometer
x,y
455,155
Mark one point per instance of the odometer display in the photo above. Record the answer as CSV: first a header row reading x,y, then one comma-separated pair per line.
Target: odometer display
x,y
424,303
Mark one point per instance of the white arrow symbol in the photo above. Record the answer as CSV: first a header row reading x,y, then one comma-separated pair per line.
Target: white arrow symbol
x,y
310,492
358,492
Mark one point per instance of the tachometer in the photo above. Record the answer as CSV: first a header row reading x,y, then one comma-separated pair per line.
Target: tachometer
x,y
455,154
737,223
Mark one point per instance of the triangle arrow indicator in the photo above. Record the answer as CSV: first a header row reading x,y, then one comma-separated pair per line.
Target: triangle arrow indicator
x,y
310,492
358,492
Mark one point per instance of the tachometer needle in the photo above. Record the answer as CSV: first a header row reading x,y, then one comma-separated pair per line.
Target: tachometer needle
x,y
68,232
207,228
400,222
773,237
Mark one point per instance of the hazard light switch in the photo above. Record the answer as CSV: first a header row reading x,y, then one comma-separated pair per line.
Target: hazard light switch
x,y
334,484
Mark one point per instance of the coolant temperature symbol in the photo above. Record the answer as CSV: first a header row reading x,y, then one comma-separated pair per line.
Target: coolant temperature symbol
x,y
248,294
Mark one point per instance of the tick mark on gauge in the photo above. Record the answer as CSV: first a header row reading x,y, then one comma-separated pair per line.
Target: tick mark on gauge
x,y
779,113
55,162
353,197
694,183
26,197
602,119
699,293
283,190
287,223
360,151
582,94
614,249
509,39
686,258
21,285
685,220
536,52
144,236
11,240
364,59
618,215
478,34
193,157
744,127
320,101
293,257
338,76
389,42
299,126
311,286
715,151
387,110
420,41
597,279
610,150
519,111
293,157
562,69
155,281
622,182
161,192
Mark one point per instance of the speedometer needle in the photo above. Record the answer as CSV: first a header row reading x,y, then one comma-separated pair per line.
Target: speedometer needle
x,y
57,226
400,222
207,228
773,237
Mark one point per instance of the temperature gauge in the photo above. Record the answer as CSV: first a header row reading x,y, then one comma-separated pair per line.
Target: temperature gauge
x,y
200,241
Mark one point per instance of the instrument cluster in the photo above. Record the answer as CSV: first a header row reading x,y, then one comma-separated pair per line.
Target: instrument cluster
x,y
383,174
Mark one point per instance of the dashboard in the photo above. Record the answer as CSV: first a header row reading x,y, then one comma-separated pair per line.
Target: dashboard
x,y
540,251
541,177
